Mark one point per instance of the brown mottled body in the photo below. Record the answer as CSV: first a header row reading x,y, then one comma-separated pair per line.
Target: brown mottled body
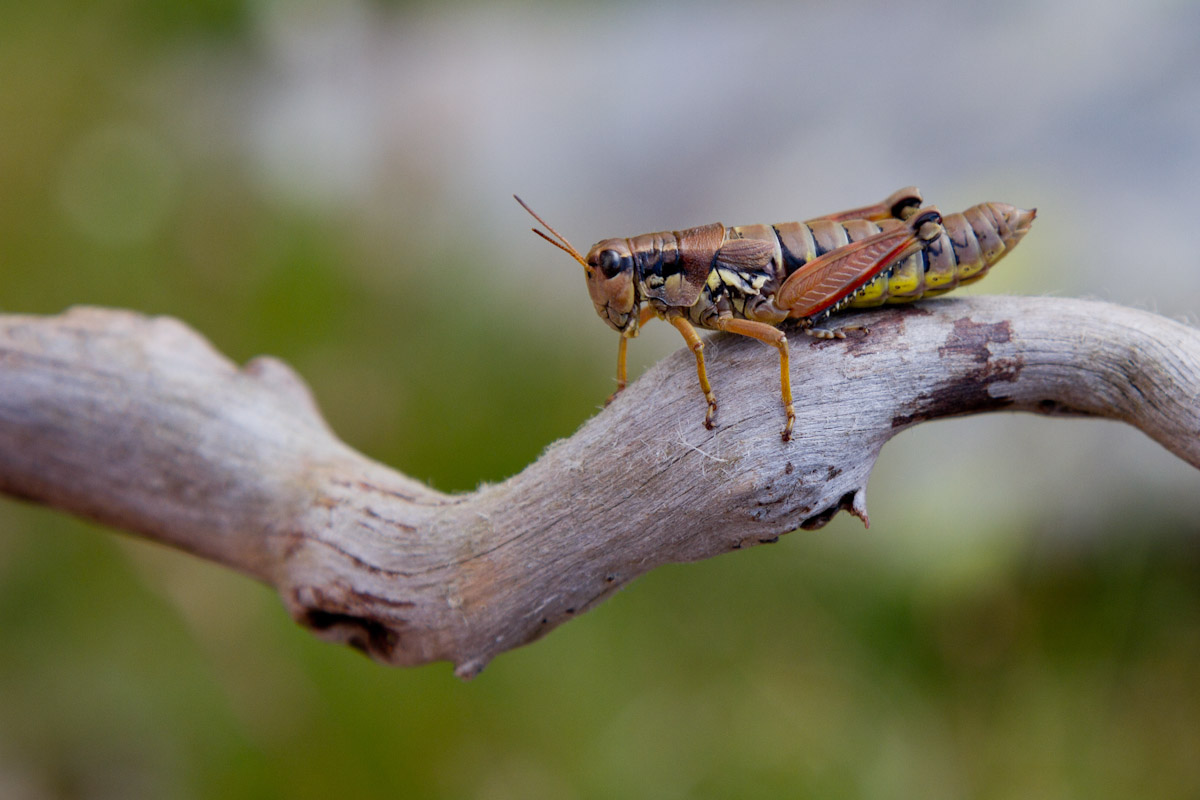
x,y
750,278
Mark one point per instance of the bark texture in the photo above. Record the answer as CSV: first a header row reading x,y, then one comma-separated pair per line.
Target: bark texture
x,y
140,424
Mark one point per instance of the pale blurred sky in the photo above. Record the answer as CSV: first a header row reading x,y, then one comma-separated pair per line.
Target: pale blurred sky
x,y
625,118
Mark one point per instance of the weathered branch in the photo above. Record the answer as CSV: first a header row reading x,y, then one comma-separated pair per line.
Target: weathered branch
x,y
138,423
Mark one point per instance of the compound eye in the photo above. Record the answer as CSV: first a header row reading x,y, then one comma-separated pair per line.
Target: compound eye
x,y
609,262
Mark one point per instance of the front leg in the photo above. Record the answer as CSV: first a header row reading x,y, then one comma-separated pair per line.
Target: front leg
x,y
622,347
644,316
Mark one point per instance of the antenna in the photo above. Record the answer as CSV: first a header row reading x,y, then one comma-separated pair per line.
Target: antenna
x,y
566,246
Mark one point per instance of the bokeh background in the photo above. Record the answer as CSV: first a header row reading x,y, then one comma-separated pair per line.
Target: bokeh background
x,y
329,183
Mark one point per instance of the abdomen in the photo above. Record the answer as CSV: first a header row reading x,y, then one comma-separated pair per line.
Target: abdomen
x,y
971,244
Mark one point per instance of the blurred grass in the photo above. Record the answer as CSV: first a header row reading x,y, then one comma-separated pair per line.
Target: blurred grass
x,y
808,668
824,666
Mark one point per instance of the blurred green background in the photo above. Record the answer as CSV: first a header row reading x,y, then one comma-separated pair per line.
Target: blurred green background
x,y
329,183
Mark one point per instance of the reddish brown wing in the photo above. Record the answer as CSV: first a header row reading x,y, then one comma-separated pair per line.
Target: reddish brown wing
x,y
824,281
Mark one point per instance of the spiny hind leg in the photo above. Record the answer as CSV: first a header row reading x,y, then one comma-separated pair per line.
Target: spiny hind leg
x,y
899,205
772,336
696,344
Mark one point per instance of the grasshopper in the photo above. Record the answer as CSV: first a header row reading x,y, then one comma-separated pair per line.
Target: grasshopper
x,y
749,279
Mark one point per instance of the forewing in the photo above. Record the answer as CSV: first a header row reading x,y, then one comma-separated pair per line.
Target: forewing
x,y
834,276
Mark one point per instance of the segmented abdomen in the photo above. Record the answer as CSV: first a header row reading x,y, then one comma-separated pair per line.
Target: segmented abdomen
x,y
971,244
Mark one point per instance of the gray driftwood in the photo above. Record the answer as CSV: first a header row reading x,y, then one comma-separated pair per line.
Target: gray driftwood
x,y
139,423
